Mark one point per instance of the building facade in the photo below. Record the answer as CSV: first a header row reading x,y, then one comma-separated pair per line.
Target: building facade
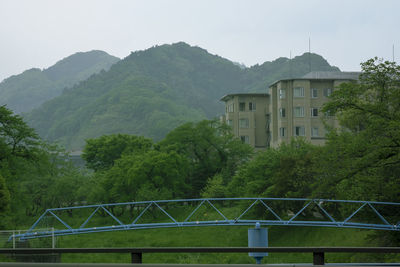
x,y
291,108
247,114
296,106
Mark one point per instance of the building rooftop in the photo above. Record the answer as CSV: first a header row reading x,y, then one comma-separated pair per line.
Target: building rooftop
x,y
332,75
230,96
325,75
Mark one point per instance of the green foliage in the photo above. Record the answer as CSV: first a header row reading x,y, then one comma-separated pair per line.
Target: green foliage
x,y
19,146
48,181
225,236
4,200
286,171
101,153
128,168
215,188
260,76
369,143
135,105
33,175
211,149
146,176
16,138
30,89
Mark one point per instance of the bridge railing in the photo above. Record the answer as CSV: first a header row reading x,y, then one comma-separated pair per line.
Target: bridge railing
x,y
216,212
12,238
136,253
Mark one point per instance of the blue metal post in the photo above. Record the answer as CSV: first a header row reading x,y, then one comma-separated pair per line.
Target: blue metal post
x,y
258,237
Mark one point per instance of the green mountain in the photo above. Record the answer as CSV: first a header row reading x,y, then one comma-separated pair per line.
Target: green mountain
x,y
30,89
151,92
259,77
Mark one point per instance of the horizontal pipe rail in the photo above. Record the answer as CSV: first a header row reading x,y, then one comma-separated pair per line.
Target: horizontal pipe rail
x,y
30,264
136,253
202,250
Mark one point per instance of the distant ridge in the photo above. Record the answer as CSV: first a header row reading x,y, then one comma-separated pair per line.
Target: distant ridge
x,y
30,89
151,92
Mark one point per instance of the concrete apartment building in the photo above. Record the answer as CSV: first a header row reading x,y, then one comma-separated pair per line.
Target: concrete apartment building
x,y
292,108
247,114
296,106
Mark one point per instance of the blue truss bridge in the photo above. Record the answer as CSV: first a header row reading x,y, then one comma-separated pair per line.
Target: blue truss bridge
x,y
216,212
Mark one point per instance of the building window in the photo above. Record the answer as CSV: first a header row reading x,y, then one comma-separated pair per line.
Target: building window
x,y
242,106
314,92
314,132
229,122
327,92
230,108
244,123
299,131
282,131
314,112
298,92
282,112
298,112
252,106
282,93
245,139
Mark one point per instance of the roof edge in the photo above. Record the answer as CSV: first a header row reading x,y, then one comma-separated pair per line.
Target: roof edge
x,y
228,96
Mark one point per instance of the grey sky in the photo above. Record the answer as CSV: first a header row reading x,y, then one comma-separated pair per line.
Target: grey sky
x,y
38,33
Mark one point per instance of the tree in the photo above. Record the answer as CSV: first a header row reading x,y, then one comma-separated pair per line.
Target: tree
x,y
101,153
211,149
30,171
148,176
367,165
19,145
4,198
283,172
17,139
362,160
215,188
286,171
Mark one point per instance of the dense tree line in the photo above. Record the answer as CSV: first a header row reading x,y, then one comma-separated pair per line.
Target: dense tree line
x,y
129,168
33,175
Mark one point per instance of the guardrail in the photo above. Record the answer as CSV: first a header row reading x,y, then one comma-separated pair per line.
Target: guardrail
x,y
136,253
384,215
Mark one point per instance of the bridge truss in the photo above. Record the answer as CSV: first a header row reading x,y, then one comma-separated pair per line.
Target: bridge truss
x,y
216,212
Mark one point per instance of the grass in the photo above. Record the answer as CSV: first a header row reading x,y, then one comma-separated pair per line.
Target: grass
x,y
231,236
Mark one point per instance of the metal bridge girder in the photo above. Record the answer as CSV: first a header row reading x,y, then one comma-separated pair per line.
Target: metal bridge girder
x,y
293,220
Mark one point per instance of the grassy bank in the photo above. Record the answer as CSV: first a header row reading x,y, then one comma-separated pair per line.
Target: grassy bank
x,y
233,236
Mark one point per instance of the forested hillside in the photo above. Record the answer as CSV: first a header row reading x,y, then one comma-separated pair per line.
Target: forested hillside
x,y
258,77
153,91
30,89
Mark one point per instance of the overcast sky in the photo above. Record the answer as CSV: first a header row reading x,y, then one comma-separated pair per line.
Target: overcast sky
x,y
346,32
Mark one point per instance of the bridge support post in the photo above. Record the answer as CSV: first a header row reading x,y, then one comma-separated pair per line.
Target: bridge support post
x,y
258,237
136,257
318,258
53,238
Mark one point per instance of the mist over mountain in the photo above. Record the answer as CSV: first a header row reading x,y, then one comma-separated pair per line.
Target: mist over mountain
x,y
30,89
151,92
